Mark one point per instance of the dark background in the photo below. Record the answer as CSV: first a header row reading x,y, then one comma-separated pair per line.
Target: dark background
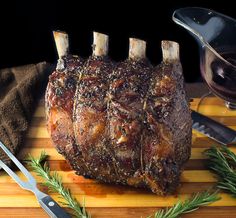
x,y
26,29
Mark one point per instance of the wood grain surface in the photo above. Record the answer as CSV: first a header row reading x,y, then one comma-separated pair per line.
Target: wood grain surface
x,y
103,200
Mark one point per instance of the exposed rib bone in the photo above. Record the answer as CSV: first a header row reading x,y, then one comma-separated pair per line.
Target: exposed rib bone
x,y
137,49
62,43
100,44
170,51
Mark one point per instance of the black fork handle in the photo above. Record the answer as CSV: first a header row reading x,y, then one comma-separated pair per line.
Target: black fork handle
x,y
52,208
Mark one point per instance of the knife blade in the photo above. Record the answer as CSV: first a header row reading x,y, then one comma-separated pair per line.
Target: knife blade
x,y
213,129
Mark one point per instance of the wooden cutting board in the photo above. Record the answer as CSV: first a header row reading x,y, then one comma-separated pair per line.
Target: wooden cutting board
x,y
115,201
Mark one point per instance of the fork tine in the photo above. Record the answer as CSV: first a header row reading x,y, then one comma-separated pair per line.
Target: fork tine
x,y
18,164
12,174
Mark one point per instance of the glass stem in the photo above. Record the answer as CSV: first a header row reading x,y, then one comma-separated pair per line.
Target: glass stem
x,y
202,98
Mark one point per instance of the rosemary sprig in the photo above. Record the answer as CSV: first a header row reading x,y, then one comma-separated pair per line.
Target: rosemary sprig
x,y
222,162
189,205
54,182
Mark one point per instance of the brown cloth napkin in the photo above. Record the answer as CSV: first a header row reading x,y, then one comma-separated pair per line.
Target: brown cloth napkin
x,y
20,88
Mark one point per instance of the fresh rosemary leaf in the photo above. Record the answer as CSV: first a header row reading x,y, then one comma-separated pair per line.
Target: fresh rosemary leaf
x,y
189,205
222,162
54,182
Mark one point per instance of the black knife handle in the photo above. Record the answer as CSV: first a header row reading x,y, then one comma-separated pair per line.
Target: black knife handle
x,y
52,208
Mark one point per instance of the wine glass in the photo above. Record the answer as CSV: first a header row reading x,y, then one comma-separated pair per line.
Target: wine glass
x,y
216,36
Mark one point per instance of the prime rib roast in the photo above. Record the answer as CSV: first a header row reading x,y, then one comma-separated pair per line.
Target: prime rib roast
x,y
125,123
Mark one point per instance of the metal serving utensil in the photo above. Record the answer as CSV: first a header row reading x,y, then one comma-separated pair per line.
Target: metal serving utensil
x,y
213,129
46,202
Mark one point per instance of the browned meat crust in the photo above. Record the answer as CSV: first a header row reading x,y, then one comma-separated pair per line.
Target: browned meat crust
x,y
126,123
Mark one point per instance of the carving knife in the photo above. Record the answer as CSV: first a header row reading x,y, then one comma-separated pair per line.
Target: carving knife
x,y
213,129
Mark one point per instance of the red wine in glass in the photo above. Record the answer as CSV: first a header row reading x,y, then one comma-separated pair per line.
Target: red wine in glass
x,y
219,72
215,34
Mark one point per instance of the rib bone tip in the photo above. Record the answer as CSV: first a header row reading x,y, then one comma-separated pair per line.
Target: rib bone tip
x,y
100,44
170,51
137,48
62,43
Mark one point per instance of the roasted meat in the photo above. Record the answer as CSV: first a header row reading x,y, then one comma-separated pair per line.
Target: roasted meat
x,y
59,100
125,123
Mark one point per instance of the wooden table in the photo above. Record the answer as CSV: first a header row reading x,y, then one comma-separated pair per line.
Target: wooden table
x,y
104,200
